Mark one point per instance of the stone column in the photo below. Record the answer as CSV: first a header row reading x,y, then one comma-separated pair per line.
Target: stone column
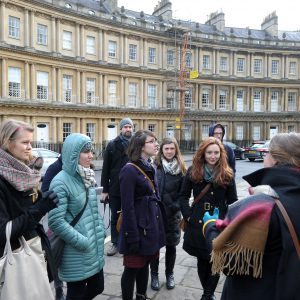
x,y
217,62
121,100
59,86
4,76
58,36
26,79
233,63
82,98
121,50
105,90
53,84
164,56
125,100
248,66
125,58
160,56
33,82
100,76
54,130
146,104
100,45
141,52
78,78
104,48
26,28
266,65
2,17
82,37
164,94
77,40
196,104
283,65
141,102
53,34
32,29
145,53
213,62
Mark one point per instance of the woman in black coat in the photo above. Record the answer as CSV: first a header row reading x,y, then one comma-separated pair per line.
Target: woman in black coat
x,y
142,231
170,171
20,201
274,269
210,170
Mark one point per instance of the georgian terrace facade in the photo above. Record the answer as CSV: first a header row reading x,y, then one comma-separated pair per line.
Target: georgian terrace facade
x,y
68,68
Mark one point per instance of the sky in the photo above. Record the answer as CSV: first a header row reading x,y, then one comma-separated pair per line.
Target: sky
x,y
238,13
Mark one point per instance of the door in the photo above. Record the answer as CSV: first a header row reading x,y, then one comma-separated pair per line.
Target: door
x,y
170,131
42,133
111,132
273,131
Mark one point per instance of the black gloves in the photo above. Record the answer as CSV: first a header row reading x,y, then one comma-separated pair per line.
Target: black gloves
x,y
134,248
48,202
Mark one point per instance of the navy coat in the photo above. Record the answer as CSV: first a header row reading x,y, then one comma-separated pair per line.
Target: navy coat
x,y
143,212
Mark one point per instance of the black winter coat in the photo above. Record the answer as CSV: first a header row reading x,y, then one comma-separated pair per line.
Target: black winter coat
x,y
114,159
18,207
169,188
217,196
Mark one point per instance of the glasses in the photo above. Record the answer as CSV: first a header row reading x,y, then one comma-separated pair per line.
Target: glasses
x,y
152,142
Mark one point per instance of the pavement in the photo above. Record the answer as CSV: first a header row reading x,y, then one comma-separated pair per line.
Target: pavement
x,y
187,287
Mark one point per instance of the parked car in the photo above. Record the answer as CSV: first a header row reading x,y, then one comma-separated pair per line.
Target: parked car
x,y
48,156
239,152
257,151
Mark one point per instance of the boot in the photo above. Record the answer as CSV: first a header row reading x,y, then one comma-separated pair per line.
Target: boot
x,y
210,288
155,285
170,281
141,297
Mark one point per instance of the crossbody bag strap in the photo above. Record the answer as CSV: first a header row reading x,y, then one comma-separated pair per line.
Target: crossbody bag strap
x,y
201,194
146,176
78,216
290,226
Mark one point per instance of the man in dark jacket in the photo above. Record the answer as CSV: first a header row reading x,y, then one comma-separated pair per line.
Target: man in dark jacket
x,y
218,131
114,159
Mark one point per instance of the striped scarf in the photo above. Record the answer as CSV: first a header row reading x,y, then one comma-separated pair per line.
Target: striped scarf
x,y
87,175
239,248
20,176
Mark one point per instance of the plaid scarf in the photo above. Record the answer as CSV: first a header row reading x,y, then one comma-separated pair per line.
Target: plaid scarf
x,y
172,167
239,248
20,176
87,175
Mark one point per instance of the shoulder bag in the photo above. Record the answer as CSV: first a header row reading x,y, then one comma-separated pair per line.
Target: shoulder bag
x,y
58,244
120,217
184,223
23,272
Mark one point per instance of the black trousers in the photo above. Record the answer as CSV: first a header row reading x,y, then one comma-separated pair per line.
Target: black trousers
x,y
86,289
129,277
115,206
169,261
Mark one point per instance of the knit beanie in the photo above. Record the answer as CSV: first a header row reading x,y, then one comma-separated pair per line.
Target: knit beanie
x,y
125,121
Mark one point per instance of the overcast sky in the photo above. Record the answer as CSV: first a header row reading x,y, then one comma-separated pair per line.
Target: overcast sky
x,y
238,13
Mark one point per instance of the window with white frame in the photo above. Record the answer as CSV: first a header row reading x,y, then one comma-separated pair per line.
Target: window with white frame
x,y
275,67
257,100
90,45
292,68
67,130
171,99
240,100
205,131
240,66
170,57
90,131
274,101
205,99
291,101
291,128
222,99
42,34
257,66
112,49
14,82
188,99
256,133
67,40
67,88
90,90
206,62
112,93
152,96
132,94
239,132
152,55
42,85
151,127
188,59
187,132
132,52
223,63
13,27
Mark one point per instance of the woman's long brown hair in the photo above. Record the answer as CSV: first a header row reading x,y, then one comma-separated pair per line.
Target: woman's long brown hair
x,y
223,173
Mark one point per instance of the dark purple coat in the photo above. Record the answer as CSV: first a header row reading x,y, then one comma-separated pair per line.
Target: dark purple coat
x,y
143,212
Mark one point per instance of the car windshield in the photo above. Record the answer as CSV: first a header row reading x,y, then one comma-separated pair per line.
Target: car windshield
x,y
257,146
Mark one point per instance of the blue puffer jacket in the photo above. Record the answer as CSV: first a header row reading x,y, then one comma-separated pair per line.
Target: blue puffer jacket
x,y
84,251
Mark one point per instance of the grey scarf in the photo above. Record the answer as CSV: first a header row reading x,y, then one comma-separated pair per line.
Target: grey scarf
x,y
87,175
172,167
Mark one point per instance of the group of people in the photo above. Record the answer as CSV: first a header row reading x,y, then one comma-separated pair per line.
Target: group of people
x,y
248,240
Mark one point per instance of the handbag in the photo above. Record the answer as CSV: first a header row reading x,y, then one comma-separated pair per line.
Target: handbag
x,y
23,272
58,244
120,217
184,222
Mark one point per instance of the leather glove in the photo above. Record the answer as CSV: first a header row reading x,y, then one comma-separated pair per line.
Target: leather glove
x,y
134,248
48,202
208,217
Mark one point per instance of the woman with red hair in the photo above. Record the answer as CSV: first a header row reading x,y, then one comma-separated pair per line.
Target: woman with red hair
x,y
211,180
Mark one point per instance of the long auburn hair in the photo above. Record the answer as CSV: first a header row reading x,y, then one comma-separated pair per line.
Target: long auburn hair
x,y
178,156
223,173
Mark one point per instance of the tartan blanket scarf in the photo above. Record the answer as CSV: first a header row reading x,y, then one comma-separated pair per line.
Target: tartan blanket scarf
x,y
239,248
19,175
